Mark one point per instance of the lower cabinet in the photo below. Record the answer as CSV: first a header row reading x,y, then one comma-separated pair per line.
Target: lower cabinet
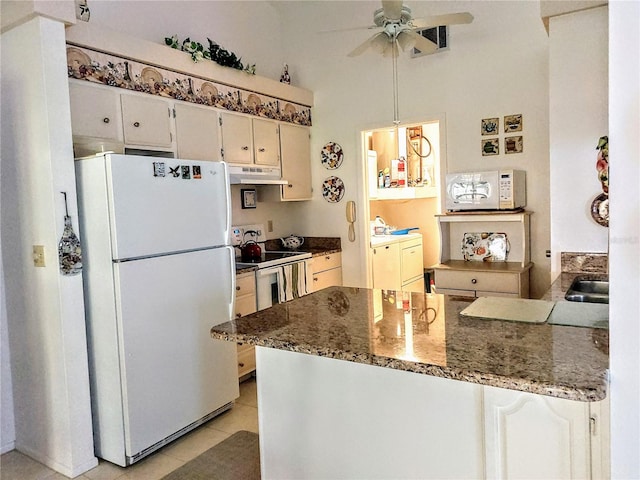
x,y
536,436
245,304
479,279
327,271
398,263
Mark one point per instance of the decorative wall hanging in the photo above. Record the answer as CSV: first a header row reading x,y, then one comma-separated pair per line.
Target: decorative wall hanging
x,y
600,204
332,156
249,198
285,77
69,249
98,67
513,123
513,144
82,10
490,146
485,247
489,126
333,189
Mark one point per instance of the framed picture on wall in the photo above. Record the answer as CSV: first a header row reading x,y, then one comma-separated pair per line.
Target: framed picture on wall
x,y
490,146
513,123
513,144
489,126
248,197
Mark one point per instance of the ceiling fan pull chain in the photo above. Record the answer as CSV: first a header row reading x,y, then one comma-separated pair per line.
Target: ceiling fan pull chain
x,y
396,115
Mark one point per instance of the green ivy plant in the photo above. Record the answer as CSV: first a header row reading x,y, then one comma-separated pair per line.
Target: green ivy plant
x,y
215,53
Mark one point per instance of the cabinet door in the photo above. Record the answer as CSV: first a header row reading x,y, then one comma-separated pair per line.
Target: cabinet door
x,y
416,286
386,267
266,142
95,112
236,138
197,132
535,436
328,278
412,263
295,149
146,121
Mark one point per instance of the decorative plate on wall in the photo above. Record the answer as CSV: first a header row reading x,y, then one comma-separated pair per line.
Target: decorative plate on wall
x,y
600,209
333,189
485,247
332,156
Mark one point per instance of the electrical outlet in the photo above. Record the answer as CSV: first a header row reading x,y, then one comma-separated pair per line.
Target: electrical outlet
x,y
269,225
38,256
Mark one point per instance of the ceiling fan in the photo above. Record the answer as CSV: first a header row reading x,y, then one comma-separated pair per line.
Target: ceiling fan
x,y
397,29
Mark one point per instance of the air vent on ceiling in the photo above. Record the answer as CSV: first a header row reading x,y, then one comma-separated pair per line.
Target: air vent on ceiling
x,y
438,35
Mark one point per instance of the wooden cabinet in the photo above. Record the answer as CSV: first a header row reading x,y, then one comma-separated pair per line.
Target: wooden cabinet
x,y
456,276
245,304
95,112
536,436
386,266
295,152
146,120
247,140
197,132
397,263
327,271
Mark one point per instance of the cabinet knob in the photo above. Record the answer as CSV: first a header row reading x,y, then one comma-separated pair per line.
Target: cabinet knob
x,y
136,124
241,364
474,281
327,257
106,120
245,148
238,315
262,150
290,186
315,279
237,288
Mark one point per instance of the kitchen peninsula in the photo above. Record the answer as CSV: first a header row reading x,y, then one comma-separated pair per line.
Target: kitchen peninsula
x,y
367,383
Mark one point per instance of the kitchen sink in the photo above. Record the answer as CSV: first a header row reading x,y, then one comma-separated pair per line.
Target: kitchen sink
x,y
590,291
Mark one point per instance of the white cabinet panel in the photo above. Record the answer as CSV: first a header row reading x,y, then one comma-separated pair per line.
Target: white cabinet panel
x,y
386,267
95,112
266,142
296,161
146,120
197,132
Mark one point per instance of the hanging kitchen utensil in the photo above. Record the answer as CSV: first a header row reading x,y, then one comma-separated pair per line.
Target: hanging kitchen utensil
x,y
69,249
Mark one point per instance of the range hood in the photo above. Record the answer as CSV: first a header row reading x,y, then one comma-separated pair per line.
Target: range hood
x,y
255,175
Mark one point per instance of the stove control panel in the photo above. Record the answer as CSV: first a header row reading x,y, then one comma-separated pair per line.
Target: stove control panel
x,y
238,233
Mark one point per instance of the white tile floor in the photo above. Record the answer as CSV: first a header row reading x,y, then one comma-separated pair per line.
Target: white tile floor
x,y
243,416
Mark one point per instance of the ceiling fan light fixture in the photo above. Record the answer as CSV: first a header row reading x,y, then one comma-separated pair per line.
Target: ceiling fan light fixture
x,y
406,40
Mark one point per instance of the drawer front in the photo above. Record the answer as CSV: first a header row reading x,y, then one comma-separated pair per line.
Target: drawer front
x,y
480,293
412,265
484,281
246,362
245,305
415,286
245,284
326,262
328,278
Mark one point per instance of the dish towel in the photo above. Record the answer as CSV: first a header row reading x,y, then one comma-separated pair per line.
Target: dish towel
x,y
293,284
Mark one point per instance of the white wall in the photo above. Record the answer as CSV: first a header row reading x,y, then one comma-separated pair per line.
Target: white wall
x,y
45,311
250,29
578,67
7,422
624,261
496,66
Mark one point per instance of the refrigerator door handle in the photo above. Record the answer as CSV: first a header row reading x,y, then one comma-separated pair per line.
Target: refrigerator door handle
x,y
225,170
232,259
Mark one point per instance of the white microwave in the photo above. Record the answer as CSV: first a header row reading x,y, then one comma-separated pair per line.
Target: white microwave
x,y
491,190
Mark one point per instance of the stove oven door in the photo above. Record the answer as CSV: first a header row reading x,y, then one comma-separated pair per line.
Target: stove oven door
x,y
267,286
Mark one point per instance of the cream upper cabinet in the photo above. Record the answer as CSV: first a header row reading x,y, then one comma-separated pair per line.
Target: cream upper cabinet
x,y
247,140
266,142
295,151
236,138
95,111
146,120
197,132
536,436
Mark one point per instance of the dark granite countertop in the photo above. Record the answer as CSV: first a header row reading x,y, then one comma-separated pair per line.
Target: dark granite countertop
x,y
430,337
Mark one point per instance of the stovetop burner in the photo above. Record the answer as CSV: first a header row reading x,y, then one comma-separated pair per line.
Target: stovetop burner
x,y
273,258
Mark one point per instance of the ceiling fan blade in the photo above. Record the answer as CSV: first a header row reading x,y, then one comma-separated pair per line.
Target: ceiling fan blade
x,y
437,20
392,9
410,39
350,29
375,41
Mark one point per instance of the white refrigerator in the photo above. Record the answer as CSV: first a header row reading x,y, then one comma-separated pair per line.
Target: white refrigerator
x,y
158,274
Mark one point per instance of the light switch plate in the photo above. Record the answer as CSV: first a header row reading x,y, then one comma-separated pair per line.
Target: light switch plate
x,y
38,256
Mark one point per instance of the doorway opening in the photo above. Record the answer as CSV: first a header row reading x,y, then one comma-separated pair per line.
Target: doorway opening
x,y
404,168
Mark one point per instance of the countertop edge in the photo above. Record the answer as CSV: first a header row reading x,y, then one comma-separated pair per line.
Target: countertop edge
x,y
566,392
